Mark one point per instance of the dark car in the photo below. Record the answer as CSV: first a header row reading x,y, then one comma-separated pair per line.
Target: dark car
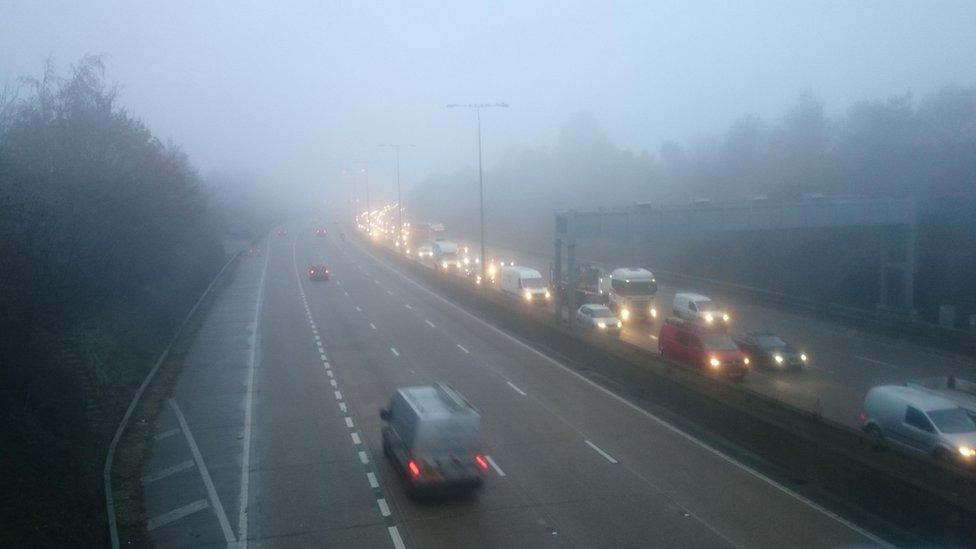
x,y
320,231
318,272
770,351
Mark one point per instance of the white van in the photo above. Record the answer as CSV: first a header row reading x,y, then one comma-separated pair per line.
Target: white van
x,y
919,421
700,309
446,255
433,436
526,283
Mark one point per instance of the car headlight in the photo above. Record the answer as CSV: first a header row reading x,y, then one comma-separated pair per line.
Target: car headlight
x,y
653,312
548,295
528,295
619,324
601,324
803,357
966,451
778,359
745,361
709,317
715,362
444,264
725,318
625,314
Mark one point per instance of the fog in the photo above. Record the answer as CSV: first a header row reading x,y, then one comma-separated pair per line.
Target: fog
x,y
291,93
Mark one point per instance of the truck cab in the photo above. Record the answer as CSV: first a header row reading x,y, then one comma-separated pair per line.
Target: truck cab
x,y
630,293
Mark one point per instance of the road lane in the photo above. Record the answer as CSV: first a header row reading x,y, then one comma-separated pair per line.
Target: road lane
x,y
545,444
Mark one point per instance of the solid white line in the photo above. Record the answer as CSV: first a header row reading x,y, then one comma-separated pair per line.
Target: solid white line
x,y
163,473
429,323
636,408
363,457
607,456
342,407
394,351
349,422
202,467
371,325
395,536
384,508
517,390
176,514
371,477
874,361
495,466
338,395
166,434
355,439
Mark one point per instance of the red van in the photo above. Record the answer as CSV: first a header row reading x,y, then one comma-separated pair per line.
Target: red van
x,y
696,346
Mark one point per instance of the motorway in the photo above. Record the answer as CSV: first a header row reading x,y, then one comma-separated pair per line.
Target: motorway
x,y
272,435
845,361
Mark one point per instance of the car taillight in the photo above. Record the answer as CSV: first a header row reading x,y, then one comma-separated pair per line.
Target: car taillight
x,y
414,468
311,271
482,463
326,271
864,417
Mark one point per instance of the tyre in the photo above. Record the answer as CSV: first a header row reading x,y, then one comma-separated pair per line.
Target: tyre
x,y
875,437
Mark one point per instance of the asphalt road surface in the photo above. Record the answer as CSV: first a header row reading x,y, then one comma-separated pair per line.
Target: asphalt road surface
x,y
272,437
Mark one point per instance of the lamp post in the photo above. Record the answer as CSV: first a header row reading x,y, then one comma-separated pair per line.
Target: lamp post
x,y
481,184
396,148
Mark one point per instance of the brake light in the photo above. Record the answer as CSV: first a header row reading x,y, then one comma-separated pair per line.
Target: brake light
x,y
311,271
478,459
326,271
864,417
414,468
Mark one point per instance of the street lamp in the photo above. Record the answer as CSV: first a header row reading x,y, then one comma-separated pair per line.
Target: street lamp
x,y
481,184
399,201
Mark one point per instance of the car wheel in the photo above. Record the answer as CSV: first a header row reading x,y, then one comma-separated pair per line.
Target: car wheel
x,y
875,437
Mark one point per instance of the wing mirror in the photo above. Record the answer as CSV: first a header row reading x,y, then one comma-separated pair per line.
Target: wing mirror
x,y
384,414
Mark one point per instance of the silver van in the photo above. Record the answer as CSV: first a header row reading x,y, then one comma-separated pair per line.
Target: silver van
x,y
920,422
433,436
700,309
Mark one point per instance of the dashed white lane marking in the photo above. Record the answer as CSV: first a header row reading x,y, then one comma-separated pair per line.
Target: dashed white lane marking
x,y
329,373
358,309
371,477
407,305
202,467
342,407
371,325
517,390
394,351
338,395
355,438
317,338
467,352
384,508
166,434
495,466
429,323
177,514
349,422
326,365
333,382
363,457
395,536
346,293
323,357
600,451
874,361
163,473
389,292
314,331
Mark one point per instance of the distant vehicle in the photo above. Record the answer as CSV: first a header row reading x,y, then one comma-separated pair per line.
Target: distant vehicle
x,y
701,309
630,293
318,272
524,282
433,436
282,232
425,251
697,346
599,318
769,350
586,284
446,255
919,422
321,231
342,235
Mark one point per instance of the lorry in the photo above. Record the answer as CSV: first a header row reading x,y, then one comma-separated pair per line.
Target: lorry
x,y
525,283
630,293
586,284
446,255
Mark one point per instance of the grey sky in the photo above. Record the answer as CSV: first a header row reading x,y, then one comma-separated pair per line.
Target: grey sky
x,y
293,90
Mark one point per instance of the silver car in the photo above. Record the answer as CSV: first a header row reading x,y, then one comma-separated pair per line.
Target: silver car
x,y
599,318
919,422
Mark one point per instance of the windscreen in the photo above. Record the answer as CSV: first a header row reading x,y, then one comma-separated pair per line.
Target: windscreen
x,y
952,420
601,312
770,342
634,287
707,306
533,283
718,342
